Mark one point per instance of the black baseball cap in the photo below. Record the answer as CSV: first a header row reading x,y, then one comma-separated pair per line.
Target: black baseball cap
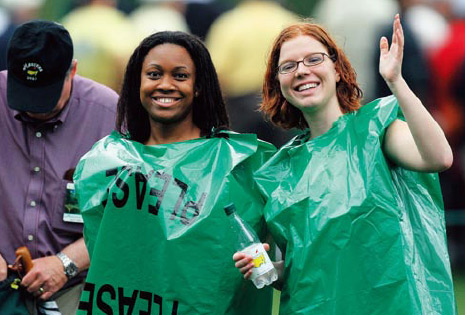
x,y
39,56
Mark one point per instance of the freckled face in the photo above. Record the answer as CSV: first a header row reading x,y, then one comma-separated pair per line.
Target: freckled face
x,y
167,84
308,88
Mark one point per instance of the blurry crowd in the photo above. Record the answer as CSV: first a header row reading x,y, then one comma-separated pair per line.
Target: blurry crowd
x,y
239,36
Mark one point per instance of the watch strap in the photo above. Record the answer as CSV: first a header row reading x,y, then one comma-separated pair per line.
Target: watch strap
x,y
69,266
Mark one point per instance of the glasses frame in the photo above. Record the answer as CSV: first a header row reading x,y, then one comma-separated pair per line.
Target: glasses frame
x,y
296,63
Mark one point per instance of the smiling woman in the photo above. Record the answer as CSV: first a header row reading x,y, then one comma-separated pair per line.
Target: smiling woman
x,y
152,194
361,229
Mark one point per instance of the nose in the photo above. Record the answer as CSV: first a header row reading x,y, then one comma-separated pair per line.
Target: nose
x,y
165,83
301,69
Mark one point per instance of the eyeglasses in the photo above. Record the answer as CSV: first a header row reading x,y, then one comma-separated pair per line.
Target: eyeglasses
x,y
309,61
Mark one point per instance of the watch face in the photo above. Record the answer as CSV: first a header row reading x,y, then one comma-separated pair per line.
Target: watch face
x,y
71,270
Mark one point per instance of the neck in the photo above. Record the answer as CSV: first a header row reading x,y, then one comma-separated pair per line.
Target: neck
x,y
321,120
162,133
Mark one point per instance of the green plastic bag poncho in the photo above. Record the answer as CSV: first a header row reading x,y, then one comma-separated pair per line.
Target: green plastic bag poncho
x,y
156,230
359,235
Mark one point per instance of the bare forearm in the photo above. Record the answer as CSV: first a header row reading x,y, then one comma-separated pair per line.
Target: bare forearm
x,y
77,251
429,138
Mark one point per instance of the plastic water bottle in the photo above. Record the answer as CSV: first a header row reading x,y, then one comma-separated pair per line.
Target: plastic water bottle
x,y
263,273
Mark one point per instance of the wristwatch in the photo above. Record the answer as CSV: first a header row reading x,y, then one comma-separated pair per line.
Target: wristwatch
x,y
71,270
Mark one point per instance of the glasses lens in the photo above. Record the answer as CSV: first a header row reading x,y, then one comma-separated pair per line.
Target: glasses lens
x,y
314,59
287,67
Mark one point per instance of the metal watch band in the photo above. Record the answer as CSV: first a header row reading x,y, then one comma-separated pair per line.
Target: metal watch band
x,y
70,267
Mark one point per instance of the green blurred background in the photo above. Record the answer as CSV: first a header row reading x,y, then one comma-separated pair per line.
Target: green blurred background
x,y
55,9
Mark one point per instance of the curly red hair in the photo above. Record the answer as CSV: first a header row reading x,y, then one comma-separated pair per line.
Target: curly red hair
x,y
275,106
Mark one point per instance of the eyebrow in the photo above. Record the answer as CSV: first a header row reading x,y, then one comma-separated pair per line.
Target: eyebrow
x,y
315,52
160,67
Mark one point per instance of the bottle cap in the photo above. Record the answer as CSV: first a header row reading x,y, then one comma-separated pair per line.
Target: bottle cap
x,y
229,209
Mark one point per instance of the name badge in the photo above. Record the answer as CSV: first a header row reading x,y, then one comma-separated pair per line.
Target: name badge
x,y
71,211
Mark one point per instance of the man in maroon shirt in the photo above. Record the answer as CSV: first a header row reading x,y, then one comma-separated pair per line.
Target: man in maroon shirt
x,y
49,118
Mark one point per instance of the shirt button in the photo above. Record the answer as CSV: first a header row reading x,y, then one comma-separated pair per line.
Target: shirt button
x,y
30,237
33,203
36,169
38,134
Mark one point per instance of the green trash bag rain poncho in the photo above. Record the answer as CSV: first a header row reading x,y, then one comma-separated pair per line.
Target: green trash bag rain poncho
x,y
156,230
360,236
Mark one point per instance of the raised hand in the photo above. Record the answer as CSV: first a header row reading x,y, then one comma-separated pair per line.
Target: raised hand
x,y
390,59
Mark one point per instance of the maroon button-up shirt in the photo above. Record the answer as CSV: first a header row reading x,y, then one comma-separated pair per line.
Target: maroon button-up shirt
x,y
37,161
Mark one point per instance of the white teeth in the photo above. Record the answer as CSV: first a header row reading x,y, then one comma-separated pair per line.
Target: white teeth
x,y
307,86
165,100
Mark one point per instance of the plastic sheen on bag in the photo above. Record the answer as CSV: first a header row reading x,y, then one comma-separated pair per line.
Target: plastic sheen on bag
x,y
156,230
359,235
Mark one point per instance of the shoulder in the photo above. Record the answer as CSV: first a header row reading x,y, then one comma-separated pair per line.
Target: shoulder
x,y
382,110
246,139
91,92
379,106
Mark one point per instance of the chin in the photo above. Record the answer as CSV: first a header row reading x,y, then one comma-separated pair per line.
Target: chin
x,y
171,119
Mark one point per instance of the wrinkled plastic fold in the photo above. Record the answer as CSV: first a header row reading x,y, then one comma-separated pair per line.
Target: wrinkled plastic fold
x,y
360,235
155,228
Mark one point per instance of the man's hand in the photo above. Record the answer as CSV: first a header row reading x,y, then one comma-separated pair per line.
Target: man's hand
x,y
3,268
45,278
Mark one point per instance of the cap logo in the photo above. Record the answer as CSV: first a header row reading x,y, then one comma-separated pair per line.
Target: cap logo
x,y
32,69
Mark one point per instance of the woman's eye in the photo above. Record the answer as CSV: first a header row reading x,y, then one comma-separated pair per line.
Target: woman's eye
x,y
288,66
154,75
314,60
181,76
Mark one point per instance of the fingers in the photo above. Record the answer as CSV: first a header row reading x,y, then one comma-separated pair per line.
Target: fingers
x,y
244,263
245,266
238,256
248,274
247,270
46,295
34,286
394,33
399,33
37,287
266,246
383,45
399,25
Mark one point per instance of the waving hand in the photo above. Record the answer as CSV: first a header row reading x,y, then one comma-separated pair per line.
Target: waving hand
x,y
390,59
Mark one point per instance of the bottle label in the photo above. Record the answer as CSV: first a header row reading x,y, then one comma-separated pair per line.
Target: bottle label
x,y
261,261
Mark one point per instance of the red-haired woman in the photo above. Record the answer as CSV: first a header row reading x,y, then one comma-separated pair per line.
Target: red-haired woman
x,y
353,202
